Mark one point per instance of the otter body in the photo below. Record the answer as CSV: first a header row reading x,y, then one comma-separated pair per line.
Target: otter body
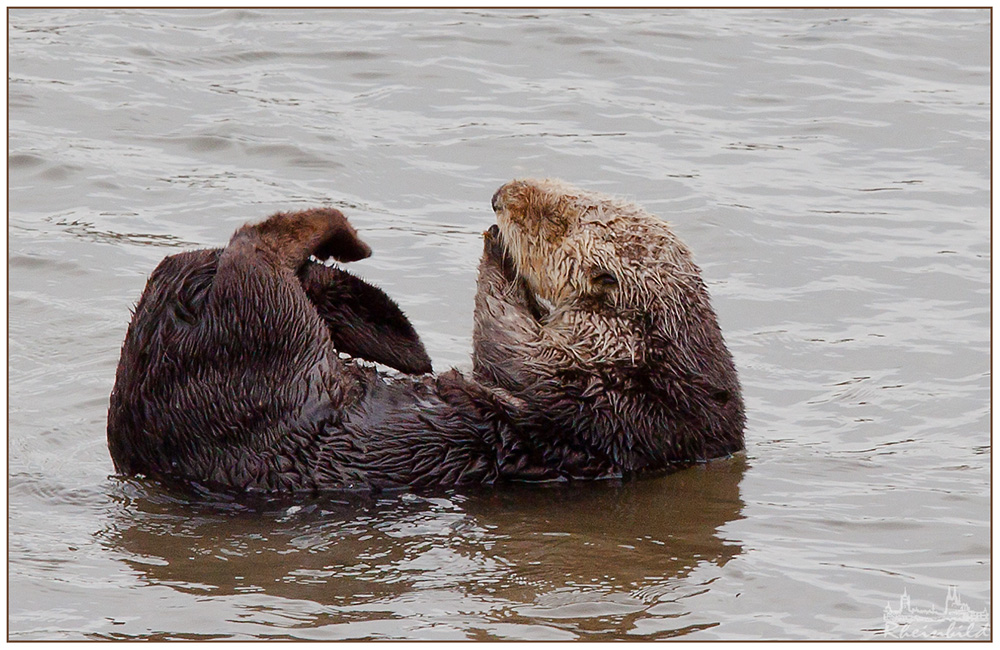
x,y
596,354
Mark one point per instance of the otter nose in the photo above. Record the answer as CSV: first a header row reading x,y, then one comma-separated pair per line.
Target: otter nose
x,y
495,201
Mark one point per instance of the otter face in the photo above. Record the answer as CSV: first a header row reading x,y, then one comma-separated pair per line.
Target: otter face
x,y
587,257
593,322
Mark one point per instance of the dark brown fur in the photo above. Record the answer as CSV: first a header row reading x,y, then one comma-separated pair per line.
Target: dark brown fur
x,y
231,376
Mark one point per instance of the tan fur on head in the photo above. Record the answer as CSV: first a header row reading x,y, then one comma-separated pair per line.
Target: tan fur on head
x,y
593,323
575,248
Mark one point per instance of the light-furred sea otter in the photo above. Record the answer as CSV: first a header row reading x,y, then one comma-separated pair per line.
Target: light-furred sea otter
x,y
596,355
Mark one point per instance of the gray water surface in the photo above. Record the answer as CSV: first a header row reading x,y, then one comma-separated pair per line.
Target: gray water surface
x,y
830,169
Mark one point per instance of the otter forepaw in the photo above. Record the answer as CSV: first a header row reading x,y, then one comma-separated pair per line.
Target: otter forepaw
x,y
491,241
496,261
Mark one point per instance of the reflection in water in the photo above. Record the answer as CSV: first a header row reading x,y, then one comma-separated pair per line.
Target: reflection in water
x,y
506,560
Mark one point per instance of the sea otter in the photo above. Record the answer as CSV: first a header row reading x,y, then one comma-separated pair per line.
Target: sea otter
x,y
596,354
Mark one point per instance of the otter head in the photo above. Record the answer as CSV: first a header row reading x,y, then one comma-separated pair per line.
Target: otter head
x,y
622,325
598,266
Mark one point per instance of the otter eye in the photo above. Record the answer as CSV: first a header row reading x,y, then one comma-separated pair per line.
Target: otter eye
x,y
603,278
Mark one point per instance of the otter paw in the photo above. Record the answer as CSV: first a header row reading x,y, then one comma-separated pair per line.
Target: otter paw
x,y
294,236
341,240
492,244
495,251
497,277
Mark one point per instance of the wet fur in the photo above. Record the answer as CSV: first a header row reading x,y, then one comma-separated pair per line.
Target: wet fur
x,y
231,373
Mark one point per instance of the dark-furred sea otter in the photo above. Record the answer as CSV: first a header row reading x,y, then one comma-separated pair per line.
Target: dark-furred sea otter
x,y
596,355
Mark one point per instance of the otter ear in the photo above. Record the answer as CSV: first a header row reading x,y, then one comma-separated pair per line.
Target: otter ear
x,y
602,278
363,321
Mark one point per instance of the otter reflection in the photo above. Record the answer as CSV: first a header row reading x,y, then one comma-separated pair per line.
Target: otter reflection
x,y
503,552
